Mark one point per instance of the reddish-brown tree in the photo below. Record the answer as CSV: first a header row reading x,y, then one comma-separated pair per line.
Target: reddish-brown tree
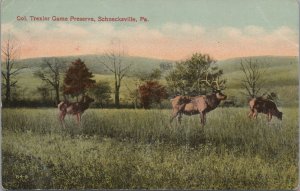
x,y
78,79
151,92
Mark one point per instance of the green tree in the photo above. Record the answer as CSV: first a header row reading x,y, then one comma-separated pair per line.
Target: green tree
x,y
44,92
155,74
78,79
102,92
189,76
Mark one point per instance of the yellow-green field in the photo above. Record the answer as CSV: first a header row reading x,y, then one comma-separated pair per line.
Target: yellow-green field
x,y
140,149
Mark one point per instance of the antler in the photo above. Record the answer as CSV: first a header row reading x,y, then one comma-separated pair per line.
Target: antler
x,y
214,81
217,83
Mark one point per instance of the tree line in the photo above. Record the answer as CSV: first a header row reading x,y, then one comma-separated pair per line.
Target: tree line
x,y
69,81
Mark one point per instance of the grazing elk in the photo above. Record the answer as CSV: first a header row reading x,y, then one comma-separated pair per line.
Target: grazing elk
x,y
262,105
76,108
196,105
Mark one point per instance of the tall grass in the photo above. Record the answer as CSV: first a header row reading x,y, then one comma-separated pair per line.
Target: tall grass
x,y
141,149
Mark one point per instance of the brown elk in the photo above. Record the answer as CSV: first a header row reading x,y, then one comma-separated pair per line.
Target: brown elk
x,y
197,105
76,108
262,105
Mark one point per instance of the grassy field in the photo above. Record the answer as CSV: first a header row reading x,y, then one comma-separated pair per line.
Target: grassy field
x,y
140,149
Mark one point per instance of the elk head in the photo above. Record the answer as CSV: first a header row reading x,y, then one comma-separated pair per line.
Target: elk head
x,y
215,85
219,94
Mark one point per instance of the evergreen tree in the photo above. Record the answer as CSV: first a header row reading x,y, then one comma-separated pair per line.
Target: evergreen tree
x,y
78,79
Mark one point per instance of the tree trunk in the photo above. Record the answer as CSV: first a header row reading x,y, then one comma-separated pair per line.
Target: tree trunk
x,y
117,92
117,97
7,95
57,95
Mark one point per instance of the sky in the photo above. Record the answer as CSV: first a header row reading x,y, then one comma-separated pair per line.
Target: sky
x,y
175,28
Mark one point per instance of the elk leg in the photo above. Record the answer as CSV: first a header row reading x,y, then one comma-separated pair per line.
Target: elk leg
x,y
255,114
179,117
173,116
250,114
269,117
62,118
202,116
78,118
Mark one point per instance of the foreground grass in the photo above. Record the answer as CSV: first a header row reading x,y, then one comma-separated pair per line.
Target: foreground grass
x,y
140,149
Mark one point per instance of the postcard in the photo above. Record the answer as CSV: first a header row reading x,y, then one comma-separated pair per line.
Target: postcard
x,y
136,94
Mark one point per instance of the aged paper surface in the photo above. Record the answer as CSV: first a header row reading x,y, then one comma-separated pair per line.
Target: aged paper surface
x,y
136,94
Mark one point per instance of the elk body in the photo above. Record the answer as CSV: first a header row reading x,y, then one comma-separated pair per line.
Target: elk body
x,y
196,105
266,106
76,108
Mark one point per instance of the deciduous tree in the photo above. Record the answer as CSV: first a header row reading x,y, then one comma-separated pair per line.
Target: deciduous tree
x,y
9,55
114,62
252,81
188,77
151,92
51,73
102,92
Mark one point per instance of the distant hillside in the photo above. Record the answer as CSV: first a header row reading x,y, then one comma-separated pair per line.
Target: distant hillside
x,y
281,75
233,64
278,71
93,62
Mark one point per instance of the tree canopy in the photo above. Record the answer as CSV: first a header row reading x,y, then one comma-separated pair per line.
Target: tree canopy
x,y
188,77
77,79
102,92
151,92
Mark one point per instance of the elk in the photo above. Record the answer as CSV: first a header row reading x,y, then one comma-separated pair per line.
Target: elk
x,y
76,108
201,104
263,105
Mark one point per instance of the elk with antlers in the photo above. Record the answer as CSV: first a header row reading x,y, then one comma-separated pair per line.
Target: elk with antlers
x,y
76,108
198,104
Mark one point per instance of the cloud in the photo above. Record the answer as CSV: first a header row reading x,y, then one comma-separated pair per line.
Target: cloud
x,y
254,30
170,41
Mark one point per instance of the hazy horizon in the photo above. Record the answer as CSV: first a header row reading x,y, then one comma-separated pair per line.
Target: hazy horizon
x,y
85,55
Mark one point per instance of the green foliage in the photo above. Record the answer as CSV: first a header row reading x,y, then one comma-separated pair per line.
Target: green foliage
x,y
188,76
155,74
139,149
102,92
281,77
44,92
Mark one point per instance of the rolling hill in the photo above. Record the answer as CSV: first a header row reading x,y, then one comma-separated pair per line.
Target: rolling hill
x,y
93,62
280,76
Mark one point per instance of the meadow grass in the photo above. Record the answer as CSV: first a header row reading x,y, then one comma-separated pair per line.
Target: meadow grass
x,y
141,149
